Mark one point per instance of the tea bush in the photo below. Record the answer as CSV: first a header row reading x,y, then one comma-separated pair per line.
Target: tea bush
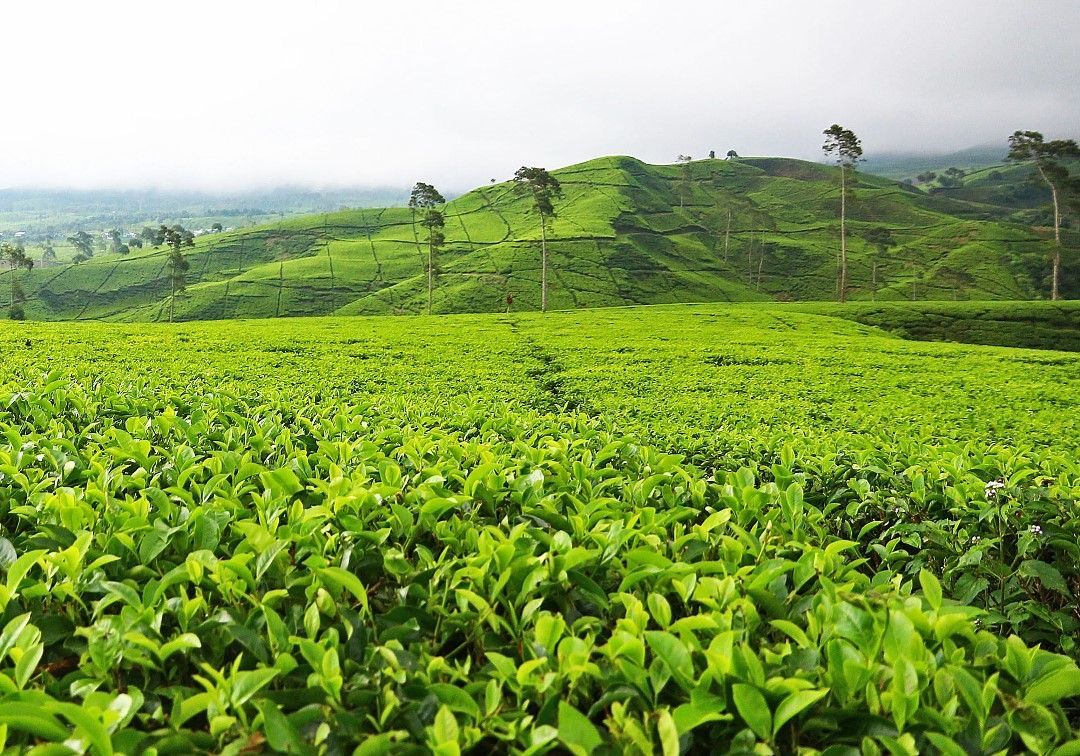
x,y
633,531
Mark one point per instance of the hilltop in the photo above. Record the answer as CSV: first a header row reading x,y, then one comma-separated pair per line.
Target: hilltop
x,y
626,233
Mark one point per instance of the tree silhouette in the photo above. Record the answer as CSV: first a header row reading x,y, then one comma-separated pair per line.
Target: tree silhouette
x,y
176,237
685,186
83,244
544,190
1030,147
842,144
426,197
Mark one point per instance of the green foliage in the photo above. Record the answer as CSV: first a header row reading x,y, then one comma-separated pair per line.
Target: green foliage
x,y
542,187
652,531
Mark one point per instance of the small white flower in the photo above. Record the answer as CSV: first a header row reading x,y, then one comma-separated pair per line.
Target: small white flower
x,y
993,487
1036,530
975,539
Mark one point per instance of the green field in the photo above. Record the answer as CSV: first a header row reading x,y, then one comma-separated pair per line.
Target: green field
x,y
625,233
676,529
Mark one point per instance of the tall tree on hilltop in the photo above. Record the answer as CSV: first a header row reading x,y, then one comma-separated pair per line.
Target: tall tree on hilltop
x,y
175,238
426,197
845,147
1030,147
544,190
685,186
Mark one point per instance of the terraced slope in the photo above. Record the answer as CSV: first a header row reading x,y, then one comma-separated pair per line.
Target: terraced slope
x,y
626,233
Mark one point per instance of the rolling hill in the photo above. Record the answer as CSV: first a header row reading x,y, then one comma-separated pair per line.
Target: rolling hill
x,y
990,187
625,233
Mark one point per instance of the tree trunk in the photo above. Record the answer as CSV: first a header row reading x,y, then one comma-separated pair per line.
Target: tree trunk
x,y
172,299
430,279
1056,275
543,263
727,237
843,233
760,265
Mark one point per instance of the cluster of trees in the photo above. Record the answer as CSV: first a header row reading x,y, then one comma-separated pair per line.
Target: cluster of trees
x,y
83,244
175,237
951,177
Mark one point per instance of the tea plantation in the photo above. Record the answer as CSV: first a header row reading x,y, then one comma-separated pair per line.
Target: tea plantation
x,y
625,233
683,529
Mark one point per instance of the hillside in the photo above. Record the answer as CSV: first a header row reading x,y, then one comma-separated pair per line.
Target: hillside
x,y
989,187
626,233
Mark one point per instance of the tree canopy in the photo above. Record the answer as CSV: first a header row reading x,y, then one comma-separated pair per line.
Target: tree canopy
x,y
543,187
843,144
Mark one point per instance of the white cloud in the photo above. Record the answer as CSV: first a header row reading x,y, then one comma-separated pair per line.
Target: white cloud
x,y
232,94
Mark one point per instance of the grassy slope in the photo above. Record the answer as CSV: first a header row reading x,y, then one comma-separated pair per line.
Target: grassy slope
x,y
620,237
1034,325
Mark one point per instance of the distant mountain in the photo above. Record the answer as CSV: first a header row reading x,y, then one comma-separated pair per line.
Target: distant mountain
x,y
625,233
901,165
36,213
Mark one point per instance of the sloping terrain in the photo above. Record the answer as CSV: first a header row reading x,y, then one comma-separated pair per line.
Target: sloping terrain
x,y
625,233
1032,325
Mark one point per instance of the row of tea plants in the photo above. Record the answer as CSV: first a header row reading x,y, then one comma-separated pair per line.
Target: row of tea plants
x,y
194,571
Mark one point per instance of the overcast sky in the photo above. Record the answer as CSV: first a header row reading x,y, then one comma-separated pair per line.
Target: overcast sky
x,y
230,94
